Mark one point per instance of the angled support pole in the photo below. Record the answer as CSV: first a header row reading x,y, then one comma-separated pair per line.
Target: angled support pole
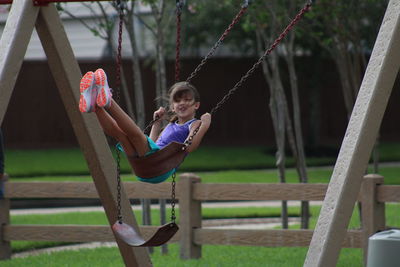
x,y
5,246
13,44
67,74
358,142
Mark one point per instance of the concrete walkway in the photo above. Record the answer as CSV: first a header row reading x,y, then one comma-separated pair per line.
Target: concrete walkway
x,y
229,204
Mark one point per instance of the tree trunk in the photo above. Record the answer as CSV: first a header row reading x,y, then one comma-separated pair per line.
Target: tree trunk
x,y
300,157
161,79
137,73
163,71
293,130
278,120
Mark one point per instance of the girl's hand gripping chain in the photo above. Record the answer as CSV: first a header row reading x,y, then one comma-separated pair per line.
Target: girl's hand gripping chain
x,y
159,114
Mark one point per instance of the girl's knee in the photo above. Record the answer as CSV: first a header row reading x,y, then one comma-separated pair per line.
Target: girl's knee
x,y
140,144
128,147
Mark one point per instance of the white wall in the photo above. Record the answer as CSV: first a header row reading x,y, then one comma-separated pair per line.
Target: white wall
x,y
84,43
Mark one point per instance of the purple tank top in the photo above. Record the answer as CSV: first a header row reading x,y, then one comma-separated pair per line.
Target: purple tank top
x,y
174,133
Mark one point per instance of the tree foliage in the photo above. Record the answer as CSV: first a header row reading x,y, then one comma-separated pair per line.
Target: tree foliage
x,y
347,31
205,20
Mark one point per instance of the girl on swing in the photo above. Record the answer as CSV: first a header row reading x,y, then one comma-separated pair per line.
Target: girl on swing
x,y
184,101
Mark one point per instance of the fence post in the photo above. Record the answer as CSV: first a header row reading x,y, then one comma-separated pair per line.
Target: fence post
x,y
5,247
189,216
372,211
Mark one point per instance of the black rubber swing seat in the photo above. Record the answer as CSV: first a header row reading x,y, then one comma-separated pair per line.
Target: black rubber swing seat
x,y
128,234
160,162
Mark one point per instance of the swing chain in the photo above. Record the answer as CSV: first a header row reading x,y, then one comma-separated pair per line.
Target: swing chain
x,y
189,140
146,129
262,58
219,42
119,207
179,7
120,5
173,198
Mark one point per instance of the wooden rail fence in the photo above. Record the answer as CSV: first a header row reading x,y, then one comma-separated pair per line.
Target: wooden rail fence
x,y
191,192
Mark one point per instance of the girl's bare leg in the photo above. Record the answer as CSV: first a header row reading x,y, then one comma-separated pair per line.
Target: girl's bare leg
x,y
112,129
134,134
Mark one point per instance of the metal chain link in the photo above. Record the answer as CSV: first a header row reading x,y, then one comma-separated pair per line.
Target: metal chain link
x,y
120,5
119,50
147,128
189,140
261,59
219,42
173,198
119,206
179,7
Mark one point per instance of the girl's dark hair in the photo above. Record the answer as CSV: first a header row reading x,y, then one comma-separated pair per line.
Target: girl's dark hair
x,y
178,90
181,88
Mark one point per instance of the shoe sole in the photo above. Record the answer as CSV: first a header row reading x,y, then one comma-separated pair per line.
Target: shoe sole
x,y
104,94
86,98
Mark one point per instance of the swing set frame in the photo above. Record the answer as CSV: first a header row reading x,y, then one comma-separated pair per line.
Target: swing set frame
x,y
352,160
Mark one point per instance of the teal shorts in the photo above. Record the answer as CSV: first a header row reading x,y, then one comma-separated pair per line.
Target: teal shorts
x,y
153,148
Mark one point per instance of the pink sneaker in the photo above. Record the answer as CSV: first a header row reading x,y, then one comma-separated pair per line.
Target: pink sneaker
x,y
87,100
104,95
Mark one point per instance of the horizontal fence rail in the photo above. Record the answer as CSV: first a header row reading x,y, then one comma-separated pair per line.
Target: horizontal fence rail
x,y
257,191
388,193
266,238
201,192
81,190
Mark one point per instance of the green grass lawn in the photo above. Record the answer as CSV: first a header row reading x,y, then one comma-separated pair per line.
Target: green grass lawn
x,y
67,162
212,256
71,161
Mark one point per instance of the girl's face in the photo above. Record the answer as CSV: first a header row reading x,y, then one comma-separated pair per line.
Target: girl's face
x,y
185,107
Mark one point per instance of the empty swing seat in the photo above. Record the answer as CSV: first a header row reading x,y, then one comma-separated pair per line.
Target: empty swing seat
x,y
128,234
